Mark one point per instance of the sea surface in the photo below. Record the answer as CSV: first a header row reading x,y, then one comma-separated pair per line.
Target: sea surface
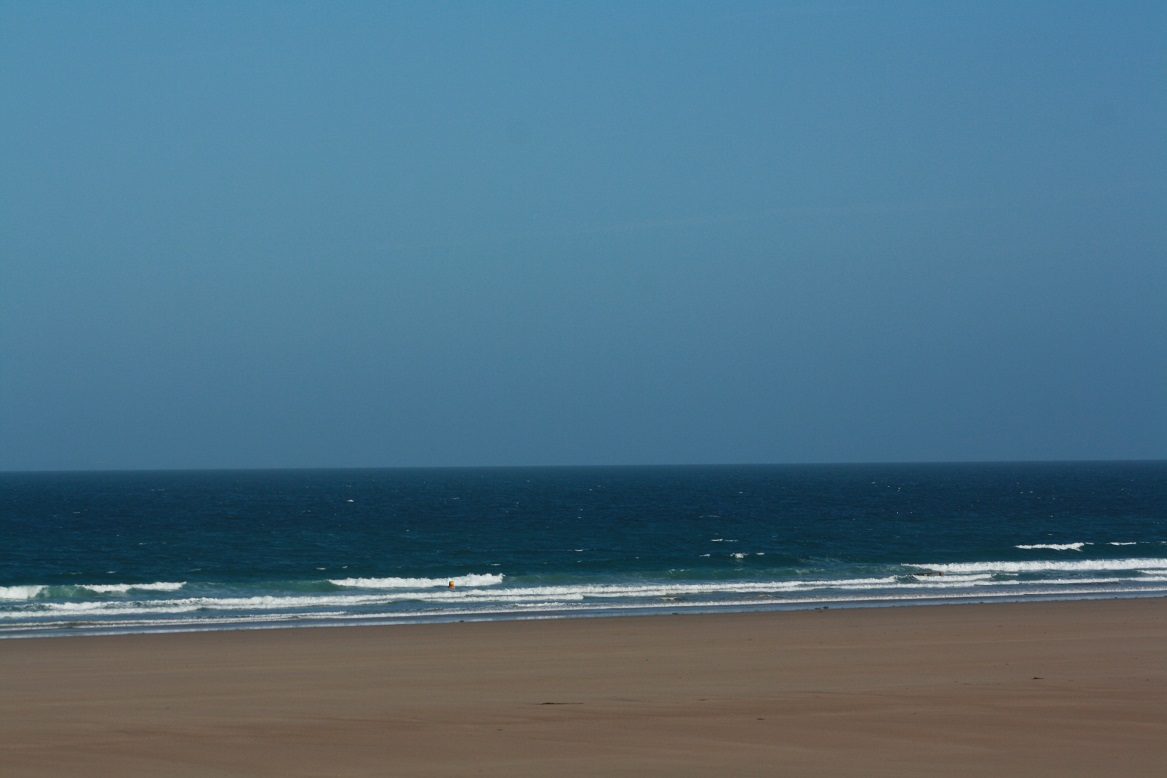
x,y
85,553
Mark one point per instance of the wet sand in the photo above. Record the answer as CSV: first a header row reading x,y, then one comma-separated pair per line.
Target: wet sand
x,y
1025,689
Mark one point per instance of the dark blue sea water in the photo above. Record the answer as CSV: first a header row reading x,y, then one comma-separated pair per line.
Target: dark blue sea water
x,y
143,551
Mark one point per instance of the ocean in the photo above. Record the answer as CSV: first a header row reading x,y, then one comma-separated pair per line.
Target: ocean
x,y
115,552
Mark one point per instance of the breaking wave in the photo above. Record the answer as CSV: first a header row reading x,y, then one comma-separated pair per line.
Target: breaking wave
x,y
488,579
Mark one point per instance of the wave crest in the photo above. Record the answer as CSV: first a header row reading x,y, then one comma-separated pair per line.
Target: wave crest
x,y
1039,566
473,579
19,592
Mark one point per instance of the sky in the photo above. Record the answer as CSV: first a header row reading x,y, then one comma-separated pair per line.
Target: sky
x,y
378,234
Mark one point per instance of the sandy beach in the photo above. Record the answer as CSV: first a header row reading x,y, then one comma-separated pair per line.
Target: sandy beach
x,y
1025,689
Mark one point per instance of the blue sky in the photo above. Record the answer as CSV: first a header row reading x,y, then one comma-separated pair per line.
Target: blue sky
x,y
414,234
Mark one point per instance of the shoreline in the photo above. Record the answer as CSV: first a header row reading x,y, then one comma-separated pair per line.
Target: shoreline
x,y
675,609
1070,687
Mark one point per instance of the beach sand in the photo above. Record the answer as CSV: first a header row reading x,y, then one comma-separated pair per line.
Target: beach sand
x,y
1021,689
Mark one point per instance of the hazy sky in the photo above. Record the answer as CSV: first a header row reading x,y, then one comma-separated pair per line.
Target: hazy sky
x,y
394,234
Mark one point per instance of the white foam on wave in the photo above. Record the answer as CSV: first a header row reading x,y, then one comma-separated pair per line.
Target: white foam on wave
x,y
1057,546
907,594
500,596
474,579
19,592
953,578
159,586
108,608
32,591
658,590
443,598
209,604
1040,566
580,597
